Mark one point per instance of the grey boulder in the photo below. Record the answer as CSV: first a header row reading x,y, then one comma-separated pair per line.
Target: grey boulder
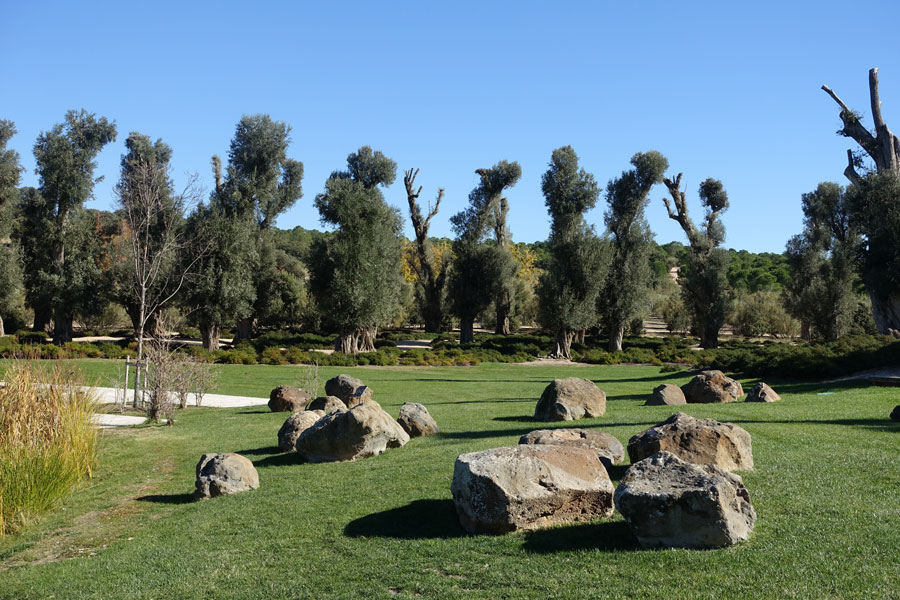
x,y
712,386
221,474
666,394
346,387
762,393
416,420
327,404
569,399
296,424
608,449
285,398
361,432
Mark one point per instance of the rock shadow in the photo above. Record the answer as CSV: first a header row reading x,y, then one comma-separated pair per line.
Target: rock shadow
x,y
283,459
167,498
605,536
260,451
420,519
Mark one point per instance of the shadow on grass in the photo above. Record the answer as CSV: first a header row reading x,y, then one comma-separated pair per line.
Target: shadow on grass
x,y
519,419
476,435
259,451
884,424
420,519
167,498
283,459
615,397
255,412
606,536
487,401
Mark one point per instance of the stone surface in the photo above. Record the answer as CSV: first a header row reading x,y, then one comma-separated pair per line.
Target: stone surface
x,y
569,399
711,386
345,387
363,431
762,393
296,424
285,398
327,404
528,487
671,503
700,441
895,414
416,420
608,449
667,394
221,474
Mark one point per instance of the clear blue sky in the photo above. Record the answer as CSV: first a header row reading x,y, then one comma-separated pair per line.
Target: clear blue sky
x,y
725,90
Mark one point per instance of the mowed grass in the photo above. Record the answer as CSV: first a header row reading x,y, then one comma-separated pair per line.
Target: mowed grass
x,y
826,489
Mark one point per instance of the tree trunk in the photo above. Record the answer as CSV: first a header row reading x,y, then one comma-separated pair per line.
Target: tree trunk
x,y
433,312
366,337
885,310
2,331
616,334
62,328
243,329
579,335
346,342
42,318
466,331
503,310
805,332
564,344
709,338
209,334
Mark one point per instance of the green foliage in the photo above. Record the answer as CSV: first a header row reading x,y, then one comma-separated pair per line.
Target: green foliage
x,y
10,260
755,315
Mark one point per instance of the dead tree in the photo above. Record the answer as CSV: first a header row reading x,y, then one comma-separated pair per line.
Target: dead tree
x,y
432,277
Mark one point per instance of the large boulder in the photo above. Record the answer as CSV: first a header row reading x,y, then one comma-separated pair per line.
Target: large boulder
x,y
416,420
700,441
346,387
762,393
285,398
327,404
895,414
608,449
712,386
569,399
296,424
528,487
221,474
363,431
666,394
672,503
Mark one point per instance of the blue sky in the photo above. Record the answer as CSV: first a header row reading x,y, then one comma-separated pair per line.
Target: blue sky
x,y
724,90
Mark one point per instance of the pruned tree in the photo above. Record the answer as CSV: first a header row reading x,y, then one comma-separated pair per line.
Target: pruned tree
x,y
65,167
355,273
10,270
629,276
430,272
704,278
570,283
876,205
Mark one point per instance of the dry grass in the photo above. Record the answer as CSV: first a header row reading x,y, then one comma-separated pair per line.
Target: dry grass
x,y
47,441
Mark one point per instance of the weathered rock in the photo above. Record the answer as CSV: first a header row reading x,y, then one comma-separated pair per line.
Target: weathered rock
x,y
285,398
345,388
700,441
672,503
569,399
712,386
416,420
667,394
895,414
608,449
296,424
762,393
363,431
220,474
529,487
327,404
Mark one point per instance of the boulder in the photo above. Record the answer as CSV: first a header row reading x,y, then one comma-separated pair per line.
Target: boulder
x,y
327,404
700,441
895,414
711,386
296,424
762,393
285,398
220,474
528,487
608,449
671,503
569,399
363,431
416,421
667,394
345,388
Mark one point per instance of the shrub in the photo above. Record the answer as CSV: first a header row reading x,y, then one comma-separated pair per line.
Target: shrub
x,y
47,441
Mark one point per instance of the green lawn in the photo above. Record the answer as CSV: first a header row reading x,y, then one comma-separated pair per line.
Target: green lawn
x,y
826,489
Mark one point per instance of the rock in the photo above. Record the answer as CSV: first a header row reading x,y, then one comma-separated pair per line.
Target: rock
x,y
361,394
672,503
327,404
666,393
296,424
569,399
608,449
416,421
220,474
363,431
529,487
700,441
762,393
895,414
285,398
345,387
711,386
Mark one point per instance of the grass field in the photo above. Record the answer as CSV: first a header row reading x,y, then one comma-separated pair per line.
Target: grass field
x,y
826,489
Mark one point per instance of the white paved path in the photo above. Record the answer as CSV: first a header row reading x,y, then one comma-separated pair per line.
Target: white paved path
x,y
113,396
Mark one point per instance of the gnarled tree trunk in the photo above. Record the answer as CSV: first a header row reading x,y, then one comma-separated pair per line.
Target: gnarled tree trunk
x,y
564,339
366,336
504,307
431,279
243,329
346,342
209,334
466,331
62,327
616,335
42,318
2,331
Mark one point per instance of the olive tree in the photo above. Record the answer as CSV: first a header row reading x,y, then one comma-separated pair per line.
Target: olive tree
x,y
10,270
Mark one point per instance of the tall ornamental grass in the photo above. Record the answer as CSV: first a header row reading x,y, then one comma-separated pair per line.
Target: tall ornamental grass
x,y
47,441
